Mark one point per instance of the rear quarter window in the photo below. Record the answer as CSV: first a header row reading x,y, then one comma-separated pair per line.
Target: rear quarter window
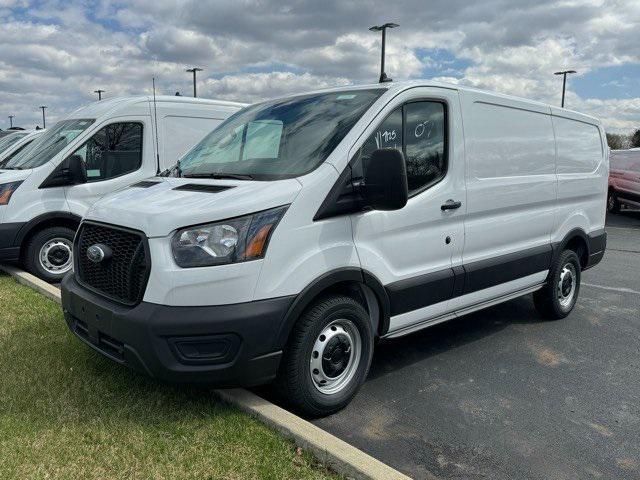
x,y
579,146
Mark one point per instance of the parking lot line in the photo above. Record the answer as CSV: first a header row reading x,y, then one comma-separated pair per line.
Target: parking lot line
x,y
614,289
620,228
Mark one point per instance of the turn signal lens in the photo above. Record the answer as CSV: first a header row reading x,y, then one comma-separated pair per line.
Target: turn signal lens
x,y
256,246
6,191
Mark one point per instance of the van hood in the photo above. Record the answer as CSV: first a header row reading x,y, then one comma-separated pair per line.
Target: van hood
x,y
158,206
7,176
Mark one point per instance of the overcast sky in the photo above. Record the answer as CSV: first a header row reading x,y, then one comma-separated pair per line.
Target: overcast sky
x,y
56,53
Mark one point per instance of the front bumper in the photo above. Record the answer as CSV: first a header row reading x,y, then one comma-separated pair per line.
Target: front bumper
x,y
9,250
223,345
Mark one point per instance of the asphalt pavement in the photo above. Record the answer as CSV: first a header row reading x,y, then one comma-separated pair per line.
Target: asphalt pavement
x,y
501,394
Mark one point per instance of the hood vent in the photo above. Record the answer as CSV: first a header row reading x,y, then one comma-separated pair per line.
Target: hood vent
x,y
144,184
200,187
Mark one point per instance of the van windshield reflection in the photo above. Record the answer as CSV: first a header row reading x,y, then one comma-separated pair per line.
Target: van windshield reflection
x,y
280,139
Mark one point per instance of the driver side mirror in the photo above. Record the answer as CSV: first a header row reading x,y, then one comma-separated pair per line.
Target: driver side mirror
x,y
72,171
385,180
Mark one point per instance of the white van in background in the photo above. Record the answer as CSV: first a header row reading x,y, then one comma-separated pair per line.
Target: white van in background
x,y
48,187
624,179
14,143
304,228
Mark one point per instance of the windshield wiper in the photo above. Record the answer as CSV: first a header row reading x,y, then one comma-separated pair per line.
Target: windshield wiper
x,y
234,176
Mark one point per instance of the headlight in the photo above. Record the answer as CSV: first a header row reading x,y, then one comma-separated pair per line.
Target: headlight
x,y
6,190
230,241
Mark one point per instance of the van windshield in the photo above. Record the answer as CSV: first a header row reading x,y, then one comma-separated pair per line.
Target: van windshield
x,y
8,140
49,144
279,139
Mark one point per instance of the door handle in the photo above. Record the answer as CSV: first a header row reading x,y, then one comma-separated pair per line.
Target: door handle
x,y
450,205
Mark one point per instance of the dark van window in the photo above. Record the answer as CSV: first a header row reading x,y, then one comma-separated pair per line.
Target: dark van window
x,y
112,151
424,143
418,129
387,135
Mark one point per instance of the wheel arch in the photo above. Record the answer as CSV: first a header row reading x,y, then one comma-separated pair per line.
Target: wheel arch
x,y
49,219
578,241
353,282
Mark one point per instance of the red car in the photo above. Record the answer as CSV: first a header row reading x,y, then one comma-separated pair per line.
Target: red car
x,y
624,179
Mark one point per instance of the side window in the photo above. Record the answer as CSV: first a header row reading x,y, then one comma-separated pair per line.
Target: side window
x,y
112,151
418,129
387,135
424,143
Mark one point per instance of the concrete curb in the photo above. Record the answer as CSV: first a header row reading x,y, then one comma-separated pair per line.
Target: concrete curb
x,y
343,458
34,282
330,450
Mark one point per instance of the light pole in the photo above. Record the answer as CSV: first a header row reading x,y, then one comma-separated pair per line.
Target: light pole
x,y
11,121
194,70
383,29
99,92
564,82
44,123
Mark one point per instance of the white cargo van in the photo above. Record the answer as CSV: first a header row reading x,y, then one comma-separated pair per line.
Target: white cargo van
x,y
304,228
98,149
14,143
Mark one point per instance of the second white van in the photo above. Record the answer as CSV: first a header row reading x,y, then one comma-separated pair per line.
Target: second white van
x,y
304,228
48,187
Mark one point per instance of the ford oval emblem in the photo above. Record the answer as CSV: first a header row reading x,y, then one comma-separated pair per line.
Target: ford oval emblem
x,y
98,253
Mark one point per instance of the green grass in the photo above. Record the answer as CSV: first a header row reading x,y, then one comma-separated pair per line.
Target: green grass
x,y
66,412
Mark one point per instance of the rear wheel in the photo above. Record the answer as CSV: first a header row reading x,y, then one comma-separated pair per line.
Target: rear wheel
x,y
559,295
327,357
49,253
613,204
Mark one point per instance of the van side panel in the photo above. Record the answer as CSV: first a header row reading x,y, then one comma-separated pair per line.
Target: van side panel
x,y
582,177
190,130
511,181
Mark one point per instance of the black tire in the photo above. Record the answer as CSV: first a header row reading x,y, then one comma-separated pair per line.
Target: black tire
x,y
548,300
31,260
613,204
295,383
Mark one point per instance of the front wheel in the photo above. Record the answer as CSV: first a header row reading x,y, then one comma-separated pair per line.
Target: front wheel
x,y
327,357
559,295
49,253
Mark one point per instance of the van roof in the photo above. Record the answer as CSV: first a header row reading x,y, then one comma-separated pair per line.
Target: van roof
x,y
407,84
102,107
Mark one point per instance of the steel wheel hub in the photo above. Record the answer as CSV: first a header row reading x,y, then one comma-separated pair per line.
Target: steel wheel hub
x,y
56,256
335,356
567,285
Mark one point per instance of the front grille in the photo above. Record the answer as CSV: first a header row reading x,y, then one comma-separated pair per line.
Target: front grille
x,y
122,277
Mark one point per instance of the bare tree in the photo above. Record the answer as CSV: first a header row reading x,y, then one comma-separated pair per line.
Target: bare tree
x,y
617,141
635,139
